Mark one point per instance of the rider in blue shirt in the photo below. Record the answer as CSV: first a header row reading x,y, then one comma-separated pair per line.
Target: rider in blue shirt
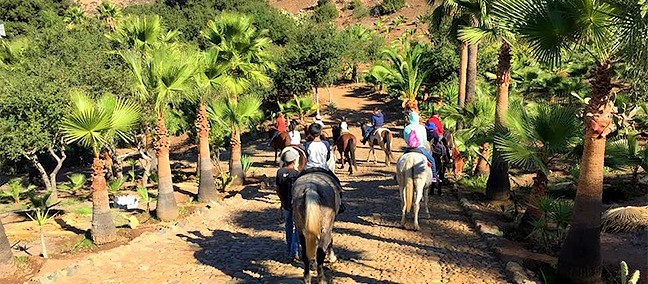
x,y
377,121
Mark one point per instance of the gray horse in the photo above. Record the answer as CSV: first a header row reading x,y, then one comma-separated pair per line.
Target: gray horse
x,y
316,201
414,178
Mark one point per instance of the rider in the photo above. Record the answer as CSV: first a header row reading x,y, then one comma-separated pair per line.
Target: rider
x,y
343,125
280,124
285,178
415,138
377,121
318,120
318,153
295,136
434,119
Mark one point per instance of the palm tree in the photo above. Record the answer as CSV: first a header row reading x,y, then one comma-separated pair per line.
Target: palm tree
x,y
163,76
239,59
458,14
479,114
5,248
498,186
143,33
237,114
95,125
610,31
301,106
539,135
109,13
405,70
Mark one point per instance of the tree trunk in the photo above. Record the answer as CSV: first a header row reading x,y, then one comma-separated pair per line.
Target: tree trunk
x,y
498,186
103,227
579,260
167,208
533,211
33,158
206,186
471,70
5,248
108,165
42,240
60,158
463,65
235,166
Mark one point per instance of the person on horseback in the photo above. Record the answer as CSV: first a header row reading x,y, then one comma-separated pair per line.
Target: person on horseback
x,y
377,121
436,121
318,120
343,124
415,137
280,125
285,178
295,136
318,153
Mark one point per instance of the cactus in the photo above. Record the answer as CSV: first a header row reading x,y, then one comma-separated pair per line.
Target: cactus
x,y
624,275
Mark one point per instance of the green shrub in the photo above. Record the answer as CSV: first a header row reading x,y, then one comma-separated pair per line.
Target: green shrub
x,y
84,211
391,6
360,12
246,161
474,183
114,185
325,12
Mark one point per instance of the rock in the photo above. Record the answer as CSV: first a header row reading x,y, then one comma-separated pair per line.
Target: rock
x,y
72,270
518,273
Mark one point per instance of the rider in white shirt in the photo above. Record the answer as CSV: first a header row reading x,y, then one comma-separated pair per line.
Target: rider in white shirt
x,y
295,136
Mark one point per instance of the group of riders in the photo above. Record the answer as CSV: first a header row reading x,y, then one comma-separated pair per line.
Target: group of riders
x,y
318,154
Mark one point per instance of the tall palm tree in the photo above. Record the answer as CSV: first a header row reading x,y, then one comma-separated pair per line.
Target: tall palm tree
x,y
498,186
610,31
238,60
238,114
163,76
5,248
142,32
95,125
109,13
457,15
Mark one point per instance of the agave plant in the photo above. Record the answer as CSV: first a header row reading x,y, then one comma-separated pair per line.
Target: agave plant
x,y
41,218
16,188
76,182
300,106
627,152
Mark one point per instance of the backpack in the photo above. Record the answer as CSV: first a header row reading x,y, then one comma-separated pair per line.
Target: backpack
x,y
413,140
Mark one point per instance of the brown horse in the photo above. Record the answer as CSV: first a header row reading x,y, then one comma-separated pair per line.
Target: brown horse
x,y
302,156
279,142
346,145
381,137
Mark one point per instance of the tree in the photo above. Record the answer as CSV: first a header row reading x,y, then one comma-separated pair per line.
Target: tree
x,y
238,59
405,67
5,248
143,33
457,15
237,114
163,76
498,186
96,125
538,136
610,31
109,13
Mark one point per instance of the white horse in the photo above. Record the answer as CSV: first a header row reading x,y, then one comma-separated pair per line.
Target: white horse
x,y
414,178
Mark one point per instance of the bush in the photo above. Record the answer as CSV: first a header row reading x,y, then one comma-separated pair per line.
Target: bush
x,y
390,6
325,12
360,12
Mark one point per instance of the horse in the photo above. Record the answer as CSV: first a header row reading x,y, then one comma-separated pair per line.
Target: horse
x,y
279,142
414,178
316,202
381,137
441,151
346,145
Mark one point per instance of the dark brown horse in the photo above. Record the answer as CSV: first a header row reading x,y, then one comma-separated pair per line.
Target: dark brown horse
x,y
302,156
279,142
346,143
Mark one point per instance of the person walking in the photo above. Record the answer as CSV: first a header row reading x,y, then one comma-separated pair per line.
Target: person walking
x,y
285,178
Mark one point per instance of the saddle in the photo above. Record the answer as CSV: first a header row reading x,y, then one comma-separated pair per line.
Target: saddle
x,y
416,150
321,170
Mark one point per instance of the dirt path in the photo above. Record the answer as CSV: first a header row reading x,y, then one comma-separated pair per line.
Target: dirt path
x,y
242,240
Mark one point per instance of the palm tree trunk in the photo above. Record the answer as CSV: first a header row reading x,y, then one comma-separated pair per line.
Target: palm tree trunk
x,y
206,187
463,65
103,227
498,186
471,70
579,260
235,166
533,212
167,208
42,240
481,167
5,248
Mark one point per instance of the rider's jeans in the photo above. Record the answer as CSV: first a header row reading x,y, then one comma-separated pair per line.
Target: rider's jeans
x,y
292,236
430,159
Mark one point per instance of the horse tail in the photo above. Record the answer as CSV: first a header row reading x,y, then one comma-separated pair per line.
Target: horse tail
x,y
351,148
409,188
312,227
387,143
